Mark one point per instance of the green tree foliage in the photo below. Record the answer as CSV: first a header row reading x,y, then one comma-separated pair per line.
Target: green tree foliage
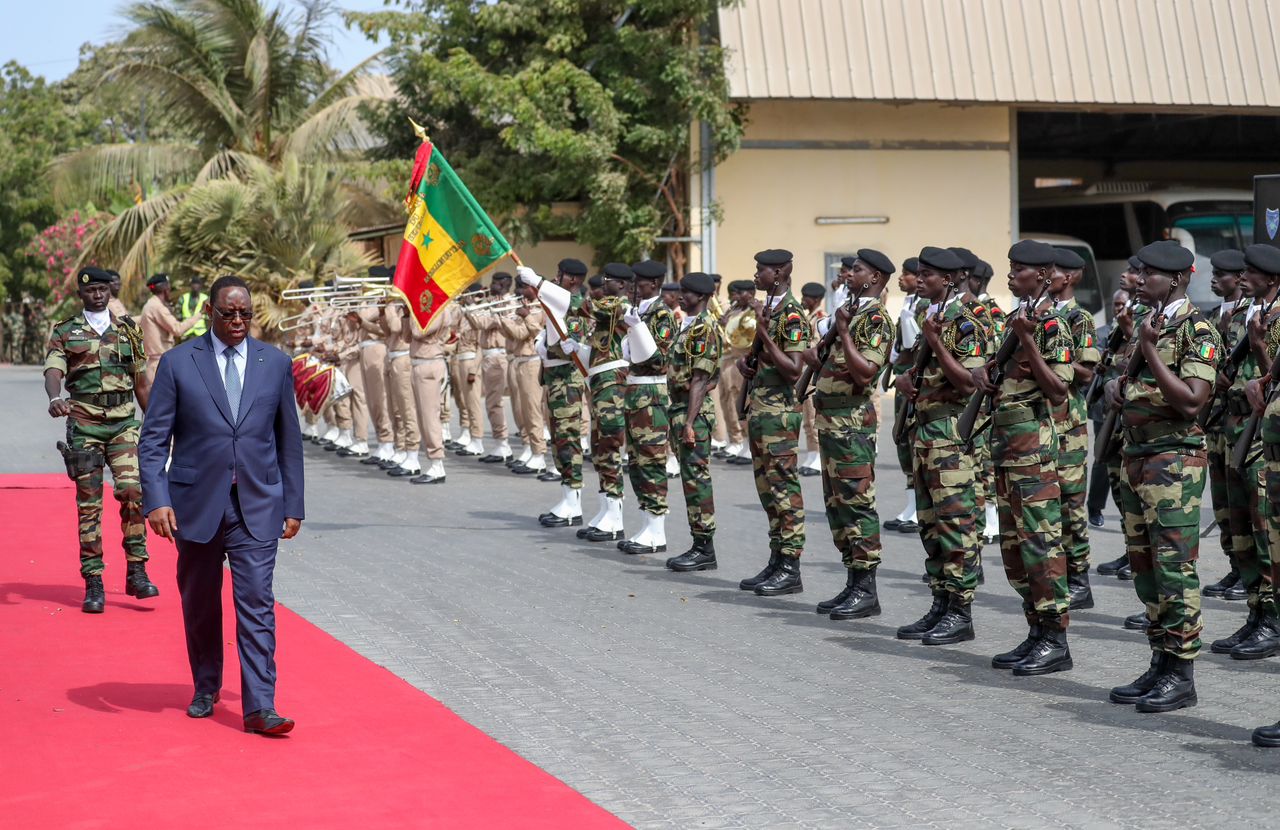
x,y
544,101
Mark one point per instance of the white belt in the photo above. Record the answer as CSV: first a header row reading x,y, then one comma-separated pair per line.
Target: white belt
x,y
465,356
551,364
394,355
524,358
364,344
604,367
641,380
418,361
491,352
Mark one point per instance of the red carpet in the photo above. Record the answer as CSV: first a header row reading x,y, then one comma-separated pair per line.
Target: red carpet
x,y
93,731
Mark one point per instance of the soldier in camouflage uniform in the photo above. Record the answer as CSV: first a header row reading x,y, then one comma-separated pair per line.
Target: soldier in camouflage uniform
x,y
1227,283
945,473
979,278
1164,472
1024,452
774,422
1071,419
847,421
1259,637
901,356
691,378
985,491
646,403
102,360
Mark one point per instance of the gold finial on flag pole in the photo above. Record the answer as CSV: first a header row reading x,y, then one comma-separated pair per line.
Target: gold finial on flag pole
x,y
420,131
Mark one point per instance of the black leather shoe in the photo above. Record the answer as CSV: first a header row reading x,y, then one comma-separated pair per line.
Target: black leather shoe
x,y
1081,594
552,520
751,582
347,452
632,548
1125,573
1236,593
202,705
1113,567
401,472
925,624
785,579
1267,736
700,557
1263,641
1227,644
1137,622
549,475
371,460
956,626
892,524
740,460
1009,659
1174,689
924,577
1096,520
1217,589
95,598
582,534
525,470
494,459
137,584
1139,688
426,479
596,535
1049,654
809,472
826,605
909,527
267,722
387,464
862,602
466,453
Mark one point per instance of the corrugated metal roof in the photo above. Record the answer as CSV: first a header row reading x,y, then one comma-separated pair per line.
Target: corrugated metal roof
x,y
1148,53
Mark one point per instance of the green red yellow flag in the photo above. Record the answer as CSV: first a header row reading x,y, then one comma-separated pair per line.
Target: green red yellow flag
x,y
448,240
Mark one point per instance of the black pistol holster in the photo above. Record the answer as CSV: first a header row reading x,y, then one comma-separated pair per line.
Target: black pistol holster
x,y
79,462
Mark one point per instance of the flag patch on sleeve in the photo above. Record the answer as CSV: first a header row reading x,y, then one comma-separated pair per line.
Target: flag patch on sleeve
x,y
1207,351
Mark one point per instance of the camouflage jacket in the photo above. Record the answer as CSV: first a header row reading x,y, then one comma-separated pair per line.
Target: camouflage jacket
x,y
1249,368
575,326
903,361
838,403
662,325
606,328
1084,337
965,336
998,317
698,346
94,365
1055,344
789,329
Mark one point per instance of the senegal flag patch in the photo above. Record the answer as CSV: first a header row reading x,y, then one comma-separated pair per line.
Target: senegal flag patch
x,y
1088,340
972,348
1062,355
1207,351
663,332
875,340
794,327
698,347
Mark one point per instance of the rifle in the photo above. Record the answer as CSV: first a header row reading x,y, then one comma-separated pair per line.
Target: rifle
x,y
1103,450
923,356
1008,348
1214,410
824,351
1114,343
753,358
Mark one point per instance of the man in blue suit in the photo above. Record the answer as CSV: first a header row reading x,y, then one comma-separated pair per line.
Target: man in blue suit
x,y
232,490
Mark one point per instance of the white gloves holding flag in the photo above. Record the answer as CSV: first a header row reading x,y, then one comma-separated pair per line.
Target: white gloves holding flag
x,y
632,317
527,275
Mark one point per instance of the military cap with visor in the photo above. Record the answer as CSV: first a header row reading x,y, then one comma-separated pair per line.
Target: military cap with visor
x,y
91,276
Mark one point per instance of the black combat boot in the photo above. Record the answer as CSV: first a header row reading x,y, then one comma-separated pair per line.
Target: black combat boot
x,y
1175,689
1113,567
1236,593
1267,736
138,584
1263,641
922,626
956,626
1049,654
95,598
785,579
1226,644
1219,588
1080,593
700,557
1137,622
862,601
826,605
1125,573
1139,688
1010,658
750,583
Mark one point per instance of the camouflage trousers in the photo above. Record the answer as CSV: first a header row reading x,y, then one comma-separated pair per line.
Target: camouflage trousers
x,y
564,402
946,505
1216,444
1160,495
905,460
773,429
695,468
1073,478
608,430
1028,495
1249,552
1271,514
849,491
648,431
118,442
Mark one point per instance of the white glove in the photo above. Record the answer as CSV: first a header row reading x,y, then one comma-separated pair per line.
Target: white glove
x,y
632,317
569,346
527,275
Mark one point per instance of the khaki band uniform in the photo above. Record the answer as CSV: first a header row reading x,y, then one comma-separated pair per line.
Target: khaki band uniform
x,y
326,343
427,356
348,344
731,380
465,375
404,411
160,329
373,371
526,390
493,370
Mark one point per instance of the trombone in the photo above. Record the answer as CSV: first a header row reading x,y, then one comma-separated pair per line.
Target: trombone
x,y
502,305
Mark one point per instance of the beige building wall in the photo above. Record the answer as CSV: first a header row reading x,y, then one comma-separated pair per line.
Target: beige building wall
x,y
941,175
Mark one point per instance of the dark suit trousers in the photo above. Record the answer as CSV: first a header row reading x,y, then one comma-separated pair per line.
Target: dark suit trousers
x,y
200,584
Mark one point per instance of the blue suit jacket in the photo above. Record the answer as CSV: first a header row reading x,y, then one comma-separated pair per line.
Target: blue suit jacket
x,y
262,447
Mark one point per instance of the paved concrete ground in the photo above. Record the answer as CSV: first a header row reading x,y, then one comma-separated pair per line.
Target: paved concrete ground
x,y
679,701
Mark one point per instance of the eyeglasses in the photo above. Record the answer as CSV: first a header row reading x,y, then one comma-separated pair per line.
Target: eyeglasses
x,y
234,314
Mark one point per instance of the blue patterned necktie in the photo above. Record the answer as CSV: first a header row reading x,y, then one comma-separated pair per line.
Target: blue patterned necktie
x,y
232,380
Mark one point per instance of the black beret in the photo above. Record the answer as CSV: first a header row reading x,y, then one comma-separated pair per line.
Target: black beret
x,y
877,261
675,286
1228,259
573,267
157,279
596,282
649,270
1135,263
715,278
742,285
501,275
1167,255
774,257
847,261
911,265
1032,252
306,284
940,258
379,272
699,283
113,273
618,271
813,289
983,270
90,275
1265,258
475,286
968,257
1067,259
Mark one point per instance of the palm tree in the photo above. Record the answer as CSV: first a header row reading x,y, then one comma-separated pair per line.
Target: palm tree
x,y
252,106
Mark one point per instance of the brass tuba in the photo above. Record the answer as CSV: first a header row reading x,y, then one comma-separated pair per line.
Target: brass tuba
x,y
740,330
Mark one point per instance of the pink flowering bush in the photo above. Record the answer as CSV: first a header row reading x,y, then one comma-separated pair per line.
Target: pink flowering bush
x,y
57,249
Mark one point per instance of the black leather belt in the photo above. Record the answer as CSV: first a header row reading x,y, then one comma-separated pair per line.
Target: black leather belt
x,y
106,400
